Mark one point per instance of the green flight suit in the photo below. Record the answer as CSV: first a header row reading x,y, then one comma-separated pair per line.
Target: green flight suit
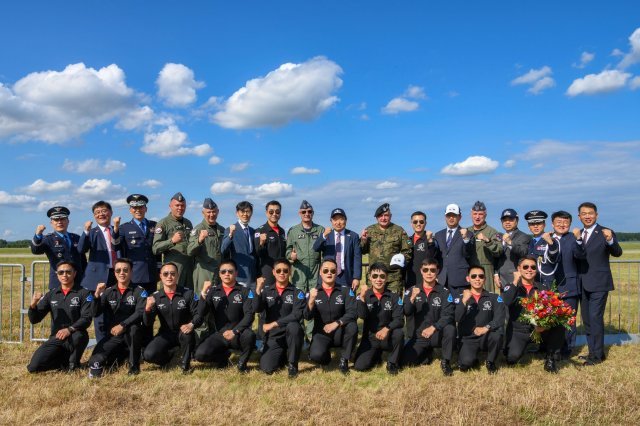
x,y
176,253
487,254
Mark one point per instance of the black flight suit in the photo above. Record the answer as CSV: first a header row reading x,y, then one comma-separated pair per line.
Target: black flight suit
x,y
421,250
274,248
73,311
57,249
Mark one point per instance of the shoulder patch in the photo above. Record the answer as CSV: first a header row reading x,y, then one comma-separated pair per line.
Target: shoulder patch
x,y
400,302
456,300
250,295
406,292
158,230
193,233
90,298
450,298
499,299
195,296
256,235
300,295
507,288
351,293
144,293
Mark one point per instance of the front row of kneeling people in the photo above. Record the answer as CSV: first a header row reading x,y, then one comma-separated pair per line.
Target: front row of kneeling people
x,y
475,321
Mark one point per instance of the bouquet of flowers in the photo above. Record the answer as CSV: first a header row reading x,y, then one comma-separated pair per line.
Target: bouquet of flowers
x,y
545,309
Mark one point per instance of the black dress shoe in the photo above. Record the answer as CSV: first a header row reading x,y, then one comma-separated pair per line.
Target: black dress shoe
x,y
72,367
186,368
491,367
242,367
463,367
446,367
134,370
392,368
550,365
292,370
344,366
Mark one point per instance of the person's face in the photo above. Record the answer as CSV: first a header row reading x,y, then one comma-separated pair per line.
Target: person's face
x,y
281,272
478,218
527,270
66,274
177,208
227,274
169,275
244,215
429,273
384,219
476,278
378,280
588,216
509,223
273,213
561,225
452,219
536,228
122,271
328,272
60,224
418,223
138,212
102,216
338,222
306,215
210,215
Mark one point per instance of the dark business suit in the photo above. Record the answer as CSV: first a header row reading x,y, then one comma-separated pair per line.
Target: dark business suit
x,y
455,260
566,278
508,261
352,268
136,245
243,253
596,281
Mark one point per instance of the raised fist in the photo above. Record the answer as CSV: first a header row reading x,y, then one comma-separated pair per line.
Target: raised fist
x,y
608,235
116,223
151,302
232,229
516,277
294,255
203,234
40,229
205,288
87,226
263,239
481,237
414,293
463,232
36,298
313,293
177,237
363,290
547,237
576,233
466,295
429,235
259,286
327,231
506,238
364,235
100,288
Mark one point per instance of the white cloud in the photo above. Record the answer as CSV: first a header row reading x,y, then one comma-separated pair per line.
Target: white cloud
x,y
364,117
473,165
172,142
99,188
177,85
239,167
7,199
634,52
93,165
634,83
415,92
273,189
136,118
304,171
585,58
398,105
215,160
387,185
151,183
291,92
509,163
537,79
40,186
617,52
545,149
593,84
55,106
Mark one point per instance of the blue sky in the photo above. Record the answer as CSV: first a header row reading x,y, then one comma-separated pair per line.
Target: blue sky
x,y
345,104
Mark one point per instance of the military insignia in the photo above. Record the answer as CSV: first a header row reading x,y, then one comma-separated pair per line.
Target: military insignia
x,y
195,297
75,301
339,300
450,299
300,295
456,300
250,295
387,305
499,299
193,233
89,298
486,306
158,230
59,254
133,241
182,304
351,293
144,293
237,298
256,235
288,299
507,288
436,301
131,300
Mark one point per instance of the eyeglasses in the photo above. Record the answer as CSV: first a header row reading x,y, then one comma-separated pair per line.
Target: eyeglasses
x,y
101,211
274,211
381,276
169,274
415,222
429,269
474,276
227,271
527,267
329,271
119,270
64,272
306,211
282,271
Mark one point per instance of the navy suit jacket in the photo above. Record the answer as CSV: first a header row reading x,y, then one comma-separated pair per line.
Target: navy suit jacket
x,y
137,246
566,275
594,271
97,270
352,255
238,249
455,259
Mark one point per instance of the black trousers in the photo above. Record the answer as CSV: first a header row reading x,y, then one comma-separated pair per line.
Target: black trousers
x,y
570,335
321,343
593,304
55,353
370,350
282,346
552,340
416,350
109,349
157,351
215,348
98,321
491,342
456,292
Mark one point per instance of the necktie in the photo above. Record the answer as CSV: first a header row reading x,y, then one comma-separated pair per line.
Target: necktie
x,y
143,226
449,237
67,240
112,254
585,234
246,233
339,253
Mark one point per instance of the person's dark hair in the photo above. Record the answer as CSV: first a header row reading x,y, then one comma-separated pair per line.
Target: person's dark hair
x,y
101,203
430,261
527,257
229,262
588,205
282,260
330,260
419,213
378,266
243,205
562,215
272,203
125,260
67,262
475,267
169,264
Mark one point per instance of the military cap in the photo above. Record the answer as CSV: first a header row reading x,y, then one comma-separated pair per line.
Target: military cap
x,y
178,197
58,212
335,212
535,216
382,210
561,214
511,213
209,204
137,200
305,205
479,207
452,208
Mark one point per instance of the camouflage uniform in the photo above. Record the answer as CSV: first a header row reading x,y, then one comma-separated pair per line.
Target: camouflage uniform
x,y
382,244
176,253
487,254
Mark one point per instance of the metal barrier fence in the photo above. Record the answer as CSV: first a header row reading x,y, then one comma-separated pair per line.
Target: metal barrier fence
x,y
621,317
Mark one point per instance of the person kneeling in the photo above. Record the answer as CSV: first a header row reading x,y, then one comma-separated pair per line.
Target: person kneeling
x,y
381,311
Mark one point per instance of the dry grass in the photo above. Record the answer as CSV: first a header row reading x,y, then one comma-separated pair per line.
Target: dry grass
x,y
605,394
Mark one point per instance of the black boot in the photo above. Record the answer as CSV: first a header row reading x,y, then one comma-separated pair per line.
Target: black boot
x,y
344,366
134,370
242,367
491,367
292,370
392,368
446,367
550,365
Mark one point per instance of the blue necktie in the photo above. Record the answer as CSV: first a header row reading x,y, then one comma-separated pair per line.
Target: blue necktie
x,y
67,240
143,226
449,238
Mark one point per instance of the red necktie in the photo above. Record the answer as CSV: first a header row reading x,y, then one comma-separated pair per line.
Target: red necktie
x,y
111,252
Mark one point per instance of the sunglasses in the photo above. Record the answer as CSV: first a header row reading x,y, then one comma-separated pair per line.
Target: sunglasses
x,y
64,272
474,276
282,271
329,271
306,211
415,222
227,271
119,270
429,269
169,274
527,267
381,276
274,211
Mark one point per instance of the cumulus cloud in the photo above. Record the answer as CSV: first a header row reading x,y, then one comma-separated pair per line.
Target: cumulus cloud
x,y
415,92
151,183
136,118
585,58
239,167
55,106
594,84
177,85
215,160
635,83
291,92
473,165
7,199
404,103
634,52
387,185
172,142
538,80
99,188
273,189
40,186
509,163
304,171
93,165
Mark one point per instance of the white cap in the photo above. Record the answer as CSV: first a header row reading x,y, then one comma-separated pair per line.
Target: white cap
x,y
452,208
397,260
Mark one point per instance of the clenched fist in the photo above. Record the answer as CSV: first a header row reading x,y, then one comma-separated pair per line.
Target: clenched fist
x,y
40,229
87,226
203,234
151,302
35,299
608,235
232,229
177,237
100,288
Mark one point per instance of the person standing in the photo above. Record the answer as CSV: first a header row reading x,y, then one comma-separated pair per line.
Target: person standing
x,y
270,241
515,244
237,244
300,241
424,247
205,244
488,243
543,247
